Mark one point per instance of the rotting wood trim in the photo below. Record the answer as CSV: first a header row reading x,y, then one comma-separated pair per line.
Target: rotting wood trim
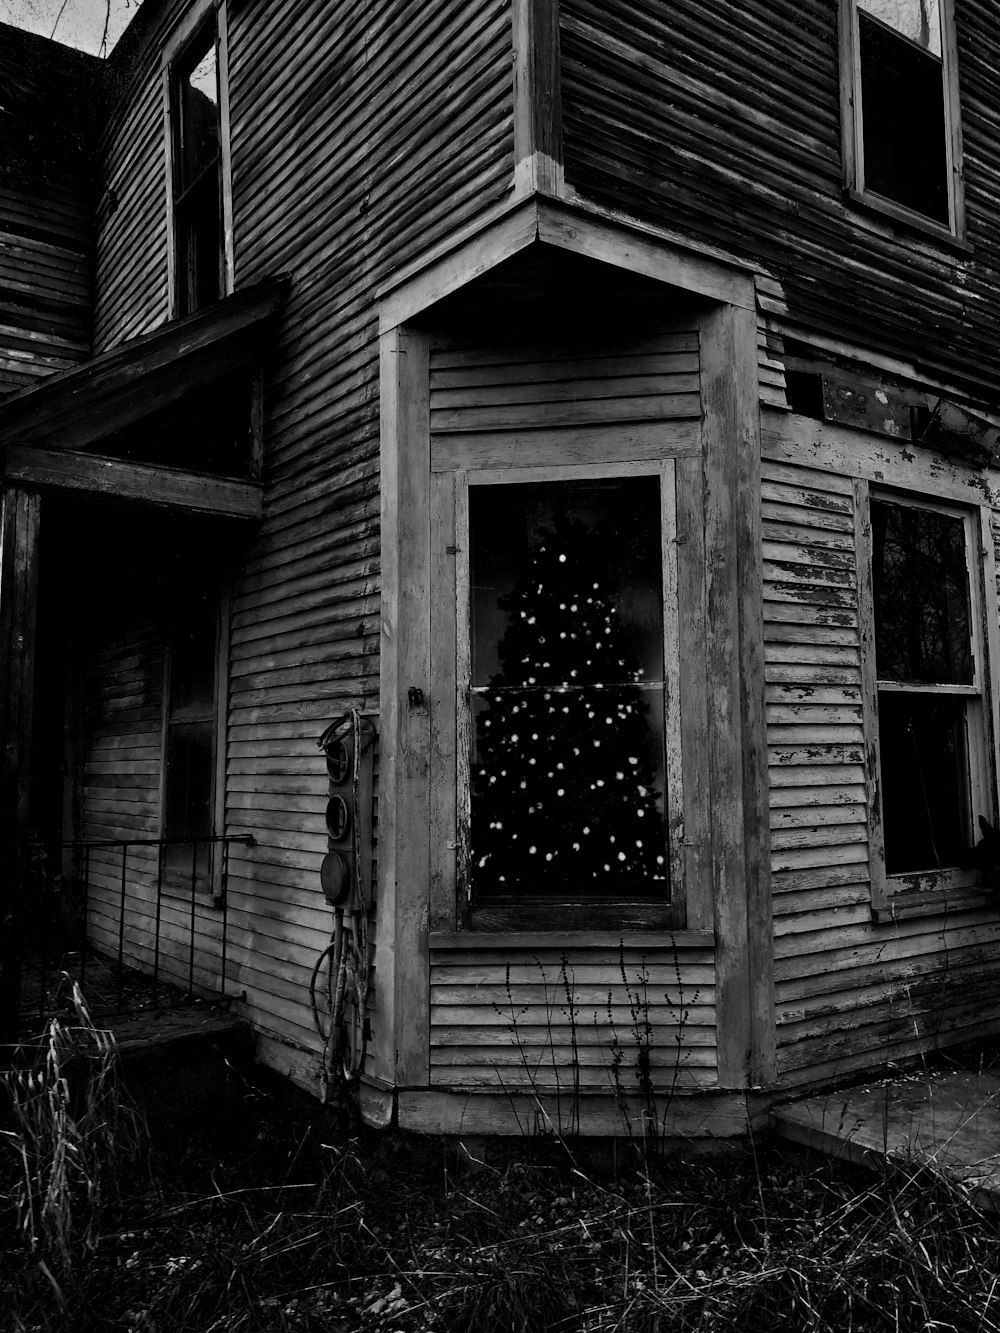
x,y
145,483
119,387
724,754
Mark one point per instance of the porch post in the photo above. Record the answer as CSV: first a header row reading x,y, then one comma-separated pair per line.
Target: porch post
x,y
19,526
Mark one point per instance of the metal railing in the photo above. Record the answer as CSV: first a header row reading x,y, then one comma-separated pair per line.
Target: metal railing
x,y
127,962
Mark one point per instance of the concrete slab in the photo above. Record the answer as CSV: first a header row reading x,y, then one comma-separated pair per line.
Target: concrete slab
x,y
950,1118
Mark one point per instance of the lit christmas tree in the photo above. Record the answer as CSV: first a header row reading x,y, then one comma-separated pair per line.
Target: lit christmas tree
x,y
564,785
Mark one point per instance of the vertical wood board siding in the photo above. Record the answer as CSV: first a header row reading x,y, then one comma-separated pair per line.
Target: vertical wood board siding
x,y
850,991
682,115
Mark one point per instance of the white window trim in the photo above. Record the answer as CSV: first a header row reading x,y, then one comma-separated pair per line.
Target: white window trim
x,y
174,47
664,469
852,126
983,713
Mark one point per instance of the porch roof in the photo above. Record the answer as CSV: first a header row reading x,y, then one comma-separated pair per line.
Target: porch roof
x,y
77,408
50,434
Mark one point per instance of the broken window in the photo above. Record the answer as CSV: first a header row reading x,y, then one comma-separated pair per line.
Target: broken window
x,y
929,691
196,127
567,684
901,107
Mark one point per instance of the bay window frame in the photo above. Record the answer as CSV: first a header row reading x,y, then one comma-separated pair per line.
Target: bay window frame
x,y
611,911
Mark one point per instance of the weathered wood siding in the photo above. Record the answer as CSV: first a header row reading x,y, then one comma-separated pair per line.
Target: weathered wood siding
x,y
46,199
122,699
553,1019
518,1013
850,991
358,140
526,405
722,121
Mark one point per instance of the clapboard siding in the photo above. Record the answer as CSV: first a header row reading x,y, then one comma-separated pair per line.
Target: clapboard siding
x,y
850,991
538,1018
358,140
46,202
694,115
497,405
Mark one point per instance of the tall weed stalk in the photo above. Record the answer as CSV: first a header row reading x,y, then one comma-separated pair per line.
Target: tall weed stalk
x,y
75,1137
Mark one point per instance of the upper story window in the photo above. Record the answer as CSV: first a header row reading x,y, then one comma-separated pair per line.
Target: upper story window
x,y
901,131
198,161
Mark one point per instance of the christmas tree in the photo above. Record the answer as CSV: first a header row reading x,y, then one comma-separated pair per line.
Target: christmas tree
x,y
564,785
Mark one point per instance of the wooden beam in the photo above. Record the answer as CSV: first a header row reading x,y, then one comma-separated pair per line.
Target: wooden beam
x,y
750,609
401,1039
164,487
724,758
138,378
19,527
538,137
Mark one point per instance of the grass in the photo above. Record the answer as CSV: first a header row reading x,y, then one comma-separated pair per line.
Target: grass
x,y
271,1219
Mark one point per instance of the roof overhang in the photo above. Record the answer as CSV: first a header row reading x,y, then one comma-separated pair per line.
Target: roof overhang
x,y
77,408
573,228
50,434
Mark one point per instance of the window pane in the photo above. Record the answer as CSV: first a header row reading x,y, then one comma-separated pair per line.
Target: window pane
x,y
902,96
921,592
925,781
920,20
198,111
192,660
567,627
189,791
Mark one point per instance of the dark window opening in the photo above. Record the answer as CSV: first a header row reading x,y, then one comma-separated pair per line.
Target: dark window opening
x,y
926,685
197,174
567,766
190,742
903,117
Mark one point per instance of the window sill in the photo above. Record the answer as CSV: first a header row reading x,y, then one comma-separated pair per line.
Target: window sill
x,y
941,901
874,203
178,890
574,914
553,938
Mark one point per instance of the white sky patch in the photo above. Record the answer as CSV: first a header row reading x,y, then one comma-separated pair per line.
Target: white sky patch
x,y
81,23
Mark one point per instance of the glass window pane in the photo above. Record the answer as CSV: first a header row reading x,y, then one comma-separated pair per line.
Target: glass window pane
x,y
198,110
921,593
192,660
919,20
925,781
568,777
902,98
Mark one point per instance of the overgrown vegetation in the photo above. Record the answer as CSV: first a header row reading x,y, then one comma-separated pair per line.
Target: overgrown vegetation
x,y
272,1218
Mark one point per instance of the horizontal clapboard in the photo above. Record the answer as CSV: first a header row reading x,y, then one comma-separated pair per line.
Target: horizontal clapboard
x,y
359,140
519,405
521,1017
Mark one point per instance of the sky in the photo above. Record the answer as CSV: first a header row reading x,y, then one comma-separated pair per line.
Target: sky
x,y
78,23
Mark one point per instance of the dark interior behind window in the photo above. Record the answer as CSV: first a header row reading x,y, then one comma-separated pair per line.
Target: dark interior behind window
x,y
902,95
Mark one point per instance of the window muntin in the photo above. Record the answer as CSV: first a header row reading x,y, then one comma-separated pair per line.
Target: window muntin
x,y
190,726
929,686
195,97
567,688
901,108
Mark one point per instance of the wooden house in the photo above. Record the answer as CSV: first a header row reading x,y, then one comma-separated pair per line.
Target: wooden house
x,y
511,593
